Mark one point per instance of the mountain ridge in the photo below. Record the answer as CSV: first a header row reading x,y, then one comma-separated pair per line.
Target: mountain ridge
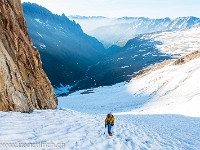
x,y
62,45
119,30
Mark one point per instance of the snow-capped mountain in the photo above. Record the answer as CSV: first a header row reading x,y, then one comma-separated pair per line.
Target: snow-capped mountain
x,y
66,51
118,31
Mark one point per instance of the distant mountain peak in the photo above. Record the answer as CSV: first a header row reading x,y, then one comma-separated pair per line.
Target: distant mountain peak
x,y
119,30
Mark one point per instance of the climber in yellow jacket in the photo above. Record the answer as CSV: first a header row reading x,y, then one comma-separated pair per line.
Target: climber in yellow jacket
x,y
110,120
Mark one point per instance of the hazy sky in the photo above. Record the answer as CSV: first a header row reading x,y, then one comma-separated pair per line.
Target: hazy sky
x,y
120,8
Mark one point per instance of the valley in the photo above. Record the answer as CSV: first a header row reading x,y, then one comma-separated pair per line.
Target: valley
x,y
74,60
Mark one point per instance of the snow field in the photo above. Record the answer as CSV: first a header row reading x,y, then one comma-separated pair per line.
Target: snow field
x,y
175,90
83,131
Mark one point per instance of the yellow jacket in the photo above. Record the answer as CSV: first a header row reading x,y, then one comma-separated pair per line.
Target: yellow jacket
x,y
110,120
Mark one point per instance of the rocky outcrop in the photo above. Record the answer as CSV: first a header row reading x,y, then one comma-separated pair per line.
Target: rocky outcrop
x,y
187,58
149,69
24,85
179,61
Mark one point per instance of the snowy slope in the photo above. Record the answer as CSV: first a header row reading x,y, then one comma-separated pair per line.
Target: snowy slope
x,y
73,130
170,90
149,114
177,42
175,90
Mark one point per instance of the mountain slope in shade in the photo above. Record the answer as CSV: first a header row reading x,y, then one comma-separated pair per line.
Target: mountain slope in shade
x,y
119,30
24,85
63,46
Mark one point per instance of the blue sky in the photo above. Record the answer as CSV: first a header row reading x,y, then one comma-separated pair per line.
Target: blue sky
x,y
120,8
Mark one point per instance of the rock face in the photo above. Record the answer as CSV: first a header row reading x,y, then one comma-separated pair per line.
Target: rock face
x,y
150,69
24,85
187,58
